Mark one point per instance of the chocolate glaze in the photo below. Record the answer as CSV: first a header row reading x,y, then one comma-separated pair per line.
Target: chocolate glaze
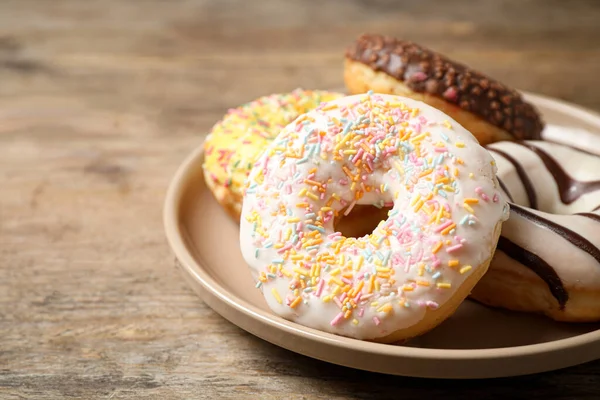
x,y
537,265
573,237
570,189
593,216
426,71
505,189
529,189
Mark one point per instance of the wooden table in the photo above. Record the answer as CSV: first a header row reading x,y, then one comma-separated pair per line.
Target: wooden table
x,y
101,101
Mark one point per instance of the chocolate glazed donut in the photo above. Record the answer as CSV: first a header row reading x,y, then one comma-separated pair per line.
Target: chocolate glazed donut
x,y
548,257
486,107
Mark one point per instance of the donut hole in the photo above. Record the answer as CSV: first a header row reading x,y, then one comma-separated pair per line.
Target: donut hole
x,y
362,220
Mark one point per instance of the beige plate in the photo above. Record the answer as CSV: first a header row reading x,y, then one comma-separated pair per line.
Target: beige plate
x,y
476,342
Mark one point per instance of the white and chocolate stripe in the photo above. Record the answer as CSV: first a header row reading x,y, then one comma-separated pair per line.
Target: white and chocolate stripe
x,y
554,225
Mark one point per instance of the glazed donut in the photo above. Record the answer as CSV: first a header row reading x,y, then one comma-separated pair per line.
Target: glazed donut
x,y
418,265
548,257
485,107
237,139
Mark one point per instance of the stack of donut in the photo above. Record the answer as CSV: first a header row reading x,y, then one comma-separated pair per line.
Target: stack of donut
x,y
470,199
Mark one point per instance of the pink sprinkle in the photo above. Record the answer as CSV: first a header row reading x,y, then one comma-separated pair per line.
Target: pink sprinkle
x,y
337,319
436,263
298,127
450,94
432,304
338,302
485,197
440,149
452,249
344,295
299,228
367,296
358,296
360,276
320,287
346,281
288,189
376,320
361,312
407,266
496,198
350,207
285,248
332,235
443,226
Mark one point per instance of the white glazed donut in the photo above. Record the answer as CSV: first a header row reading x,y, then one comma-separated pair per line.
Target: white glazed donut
x,y
548,258
417,266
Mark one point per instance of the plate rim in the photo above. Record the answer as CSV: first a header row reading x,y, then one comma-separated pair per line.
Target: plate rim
x,y
194,270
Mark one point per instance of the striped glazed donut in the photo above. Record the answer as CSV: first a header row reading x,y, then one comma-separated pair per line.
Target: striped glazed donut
x,y
548,257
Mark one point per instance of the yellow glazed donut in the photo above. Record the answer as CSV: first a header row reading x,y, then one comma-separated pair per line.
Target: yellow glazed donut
x,y
415,268
236,141
485,107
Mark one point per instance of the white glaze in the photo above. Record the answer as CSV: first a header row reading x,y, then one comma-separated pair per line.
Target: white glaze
x,y
284,180
576,268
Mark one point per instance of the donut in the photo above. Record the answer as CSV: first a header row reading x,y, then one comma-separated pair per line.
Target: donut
x,y
485,107
413,270
237,139
548,256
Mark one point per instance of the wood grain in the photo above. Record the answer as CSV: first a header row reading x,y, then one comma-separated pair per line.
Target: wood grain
x,y
99,103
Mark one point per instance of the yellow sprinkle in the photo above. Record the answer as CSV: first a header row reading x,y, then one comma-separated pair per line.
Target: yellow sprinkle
x,y
448,229
327,299
453,263
447,124
371,283
425,173
468,208
421,269
286,273
302,193
347,314
444,285
455,171
276,295
377,286
374,304
335,271
312,196
422,283
297,257
415,199
437,247
299,271
337,281
355,321
358,288
329,107
471,200
381,269
296,301
419,205
386,308
460,144
408,288
466,268
336,291
471,175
